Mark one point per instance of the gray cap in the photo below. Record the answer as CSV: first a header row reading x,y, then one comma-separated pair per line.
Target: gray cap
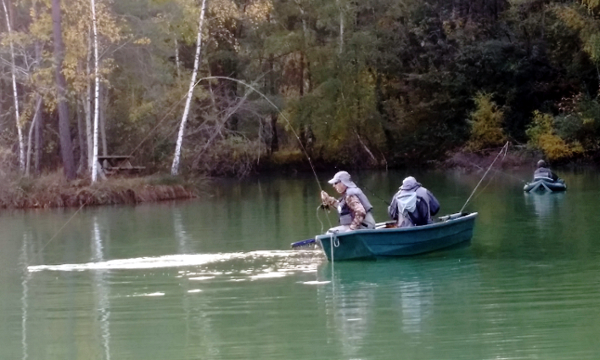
x,y
344,178
409,183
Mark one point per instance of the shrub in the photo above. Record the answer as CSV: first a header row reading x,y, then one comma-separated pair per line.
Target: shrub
x,y
542,135
486,124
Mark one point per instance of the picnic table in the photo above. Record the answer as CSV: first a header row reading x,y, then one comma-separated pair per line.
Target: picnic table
x,y
113,164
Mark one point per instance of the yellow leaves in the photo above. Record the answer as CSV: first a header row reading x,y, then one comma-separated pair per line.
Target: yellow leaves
x,y
142,41
541,136
41,27
592,47
593,6
554,147
223,11
258,11
586,26
571,17
486,122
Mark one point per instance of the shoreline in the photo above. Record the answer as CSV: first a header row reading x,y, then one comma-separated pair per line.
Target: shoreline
x,y
53,191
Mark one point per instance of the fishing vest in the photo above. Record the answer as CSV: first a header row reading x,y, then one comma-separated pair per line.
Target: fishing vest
x,y
346,215
416,206
542,172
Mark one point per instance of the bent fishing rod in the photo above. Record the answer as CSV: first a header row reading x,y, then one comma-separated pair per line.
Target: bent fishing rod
x,y
504,150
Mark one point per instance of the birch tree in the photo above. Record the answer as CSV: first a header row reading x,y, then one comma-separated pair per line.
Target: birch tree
x,y
176,158
340,6
15,92
96,94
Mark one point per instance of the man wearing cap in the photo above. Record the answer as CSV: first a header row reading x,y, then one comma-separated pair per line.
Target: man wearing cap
x,y
353,207
543,171
413,204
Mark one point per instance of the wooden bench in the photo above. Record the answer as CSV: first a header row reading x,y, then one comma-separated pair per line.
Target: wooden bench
x,y
113,164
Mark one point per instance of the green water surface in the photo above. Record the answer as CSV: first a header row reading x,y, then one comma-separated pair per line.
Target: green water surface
x,y
215,278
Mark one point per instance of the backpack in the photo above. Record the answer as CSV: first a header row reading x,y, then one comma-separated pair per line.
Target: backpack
x,y
434,204
421,214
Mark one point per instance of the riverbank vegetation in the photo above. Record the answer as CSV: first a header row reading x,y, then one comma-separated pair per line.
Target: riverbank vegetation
x,y
53,190
373,83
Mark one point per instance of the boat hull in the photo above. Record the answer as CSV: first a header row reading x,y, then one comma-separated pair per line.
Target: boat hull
x,y
370,244
545,184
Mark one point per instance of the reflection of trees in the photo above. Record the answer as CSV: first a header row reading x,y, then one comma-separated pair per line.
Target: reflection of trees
x,y
180,233
416,304
24,262
352,309
416,300
102,290
198,328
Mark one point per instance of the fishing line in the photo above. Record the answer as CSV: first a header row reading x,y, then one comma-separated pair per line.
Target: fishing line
x,y
500,172
68,221
319,218
375,195
169,112
485,187
266,98
503,150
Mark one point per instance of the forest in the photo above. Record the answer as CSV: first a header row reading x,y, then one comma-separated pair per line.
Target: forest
x,y
230,87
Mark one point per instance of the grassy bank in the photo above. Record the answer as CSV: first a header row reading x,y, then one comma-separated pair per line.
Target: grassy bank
x,y
53,190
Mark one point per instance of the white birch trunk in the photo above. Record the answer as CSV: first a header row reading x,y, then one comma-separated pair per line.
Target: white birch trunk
x,y
339,2
87,99
102,119
15,93
177,57
96,95
175,167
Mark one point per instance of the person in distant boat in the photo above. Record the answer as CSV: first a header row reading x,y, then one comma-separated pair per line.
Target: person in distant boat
x,y
353,207
543,171
413,205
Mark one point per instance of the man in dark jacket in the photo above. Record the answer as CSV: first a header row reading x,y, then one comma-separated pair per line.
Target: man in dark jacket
x,y
413,204
543,171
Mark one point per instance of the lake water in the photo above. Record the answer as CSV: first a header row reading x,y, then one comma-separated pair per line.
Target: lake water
x,y
215,278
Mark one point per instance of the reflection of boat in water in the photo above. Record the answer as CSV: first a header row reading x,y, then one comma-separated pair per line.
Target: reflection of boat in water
x,y
545,184
410,300
544,204
385,242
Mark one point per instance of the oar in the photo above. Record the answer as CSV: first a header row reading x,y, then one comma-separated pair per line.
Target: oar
x,y
303,243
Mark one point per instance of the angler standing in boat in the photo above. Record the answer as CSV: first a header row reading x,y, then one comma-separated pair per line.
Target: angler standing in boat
x,y
413,204
543,171
353,207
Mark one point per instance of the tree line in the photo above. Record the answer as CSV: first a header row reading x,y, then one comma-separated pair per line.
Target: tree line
x,y
223,86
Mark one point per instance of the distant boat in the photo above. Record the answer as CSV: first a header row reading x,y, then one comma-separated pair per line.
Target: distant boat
x,y
387,242
545,184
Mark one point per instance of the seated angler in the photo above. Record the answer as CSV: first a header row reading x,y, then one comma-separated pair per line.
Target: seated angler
x,y
353,206
543,171
413,204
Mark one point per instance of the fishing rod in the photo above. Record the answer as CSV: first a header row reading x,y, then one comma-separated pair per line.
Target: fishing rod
x,y
504,150
308,242
304,151
375,195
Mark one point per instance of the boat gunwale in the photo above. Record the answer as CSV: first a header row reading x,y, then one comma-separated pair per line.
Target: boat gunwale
x,y
445,223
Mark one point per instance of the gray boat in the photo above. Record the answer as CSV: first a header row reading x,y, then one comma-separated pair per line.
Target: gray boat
x,y
545,184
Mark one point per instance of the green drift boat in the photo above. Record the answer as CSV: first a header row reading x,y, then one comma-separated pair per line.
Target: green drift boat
x,y
386,242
